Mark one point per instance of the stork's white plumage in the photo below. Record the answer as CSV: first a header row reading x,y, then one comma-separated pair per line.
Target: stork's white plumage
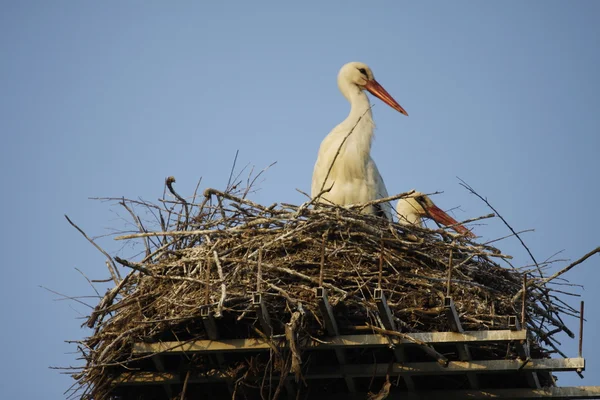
x,y
353,175
412,209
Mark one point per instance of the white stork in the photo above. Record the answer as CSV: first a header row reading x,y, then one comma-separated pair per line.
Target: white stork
x,y
353,175
411,209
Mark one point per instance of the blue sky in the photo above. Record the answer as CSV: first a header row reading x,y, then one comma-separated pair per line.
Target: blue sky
x,y
109,98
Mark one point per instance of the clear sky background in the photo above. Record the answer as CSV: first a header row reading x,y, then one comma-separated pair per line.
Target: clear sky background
x,y
109,98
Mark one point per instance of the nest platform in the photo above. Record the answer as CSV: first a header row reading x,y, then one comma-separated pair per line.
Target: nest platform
x,y
232,299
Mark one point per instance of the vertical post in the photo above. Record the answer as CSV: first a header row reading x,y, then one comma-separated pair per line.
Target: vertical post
x,y
524,299
581,330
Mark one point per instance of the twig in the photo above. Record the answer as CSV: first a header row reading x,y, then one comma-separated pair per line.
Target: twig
x,y
470,189
112,268
441,359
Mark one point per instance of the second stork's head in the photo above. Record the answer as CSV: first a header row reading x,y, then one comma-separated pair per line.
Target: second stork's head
x,y
358,76
411,209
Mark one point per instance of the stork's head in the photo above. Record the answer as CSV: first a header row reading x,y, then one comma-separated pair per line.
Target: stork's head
x,y
411,209
360,75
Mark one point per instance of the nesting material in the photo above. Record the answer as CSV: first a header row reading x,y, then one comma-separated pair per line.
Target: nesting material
x,y
220,250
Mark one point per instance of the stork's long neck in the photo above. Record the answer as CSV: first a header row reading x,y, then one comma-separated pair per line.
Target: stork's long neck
x,y
407,213
360,119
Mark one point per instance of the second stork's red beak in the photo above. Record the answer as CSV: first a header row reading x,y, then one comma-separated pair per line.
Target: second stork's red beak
x,y
440,216
378,91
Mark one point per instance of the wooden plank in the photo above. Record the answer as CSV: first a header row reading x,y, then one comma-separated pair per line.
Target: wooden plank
x,y
557,393
575,392
345,341
370,370
454,367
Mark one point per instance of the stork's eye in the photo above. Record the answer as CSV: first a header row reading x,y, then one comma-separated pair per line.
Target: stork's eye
x,y
363,71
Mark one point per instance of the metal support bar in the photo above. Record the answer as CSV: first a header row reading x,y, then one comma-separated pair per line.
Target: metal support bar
x,y
332,330
522,347
210,326
326,311
384,311
262,314
388,322
209,323
156,359
463,350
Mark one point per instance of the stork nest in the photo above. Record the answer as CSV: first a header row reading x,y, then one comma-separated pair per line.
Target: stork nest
x,y
215,254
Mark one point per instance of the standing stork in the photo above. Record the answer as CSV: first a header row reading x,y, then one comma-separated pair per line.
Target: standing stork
x,y
344,163
411,209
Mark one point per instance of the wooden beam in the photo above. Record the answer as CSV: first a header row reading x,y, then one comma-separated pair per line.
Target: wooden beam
x,y
345,341
564,393
370,370
556,393
454,367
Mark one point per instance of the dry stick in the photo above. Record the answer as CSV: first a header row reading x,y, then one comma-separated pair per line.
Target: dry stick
x,y
112,268
340,147
138,222
384,391
449,274
185,383
133,265
470,189
65,297
441,359
567,268
322,258
290,335
251,183
209,192
511,235
223,286
90,281
238,229
562,271
306,277
237,152
380,264
207,281
466,221
259,271
107,301
381,200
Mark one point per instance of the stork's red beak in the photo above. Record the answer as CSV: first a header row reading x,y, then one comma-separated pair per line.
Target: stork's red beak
x,y
440,216
378,91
